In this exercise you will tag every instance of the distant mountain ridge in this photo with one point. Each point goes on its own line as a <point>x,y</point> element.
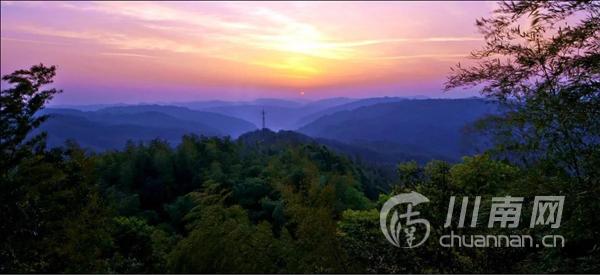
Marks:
<point>281,114</point>
<point>110,128</point>
<point>286,115</point>
<point>431,126</point>
<point>101,136</point>
<point>378,130</point>
<point>346,107</point>
<point>227,125</point>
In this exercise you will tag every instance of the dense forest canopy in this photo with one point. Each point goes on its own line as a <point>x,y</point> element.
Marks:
<point>265,204</point>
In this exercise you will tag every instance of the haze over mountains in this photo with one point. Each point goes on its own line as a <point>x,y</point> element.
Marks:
<point>387,129</point>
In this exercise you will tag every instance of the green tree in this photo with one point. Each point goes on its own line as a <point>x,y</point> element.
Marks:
<point>541,60</point>
<point>18,107</point>
<point>53,217</point>
<point>139,247</point>
<point>225,241</point>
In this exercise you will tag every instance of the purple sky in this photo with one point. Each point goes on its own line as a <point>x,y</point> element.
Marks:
<point>128,52</point>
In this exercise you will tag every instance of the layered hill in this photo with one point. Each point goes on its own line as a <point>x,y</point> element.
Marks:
<point>111,128</point>
<point>430,127</point>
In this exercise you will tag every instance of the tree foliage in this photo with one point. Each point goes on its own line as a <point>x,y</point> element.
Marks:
<point>541,59</point>
<point>18,106</point>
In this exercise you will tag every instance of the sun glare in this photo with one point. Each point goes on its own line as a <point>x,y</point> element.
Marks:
<point>301,51</point>
<point>264,44</point>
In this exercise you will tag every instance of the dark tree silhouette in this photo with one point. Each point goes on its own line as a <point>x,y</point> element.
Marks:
<point>542,60</point>
<point>18,106</point>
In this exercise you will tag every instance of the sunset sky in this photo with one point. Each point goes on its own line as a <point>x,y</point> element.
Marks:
<point>109,52</point>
